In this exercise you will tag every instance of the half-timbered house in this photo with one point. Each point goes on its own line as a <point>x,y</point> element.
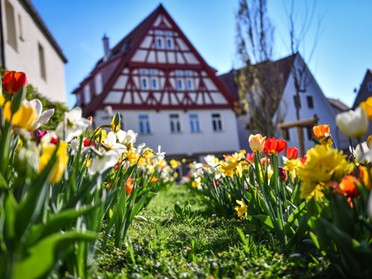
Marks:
<point>164,90</point>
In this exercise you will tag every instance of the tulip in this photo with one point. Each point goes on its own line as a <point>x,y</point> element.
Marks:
<point>14,81</point>
<point>274,146</point>
<point>256,142</point>
<point>292,153</point>
<point>367,106</point>
<point>321,131</point>
<point>353,124</point>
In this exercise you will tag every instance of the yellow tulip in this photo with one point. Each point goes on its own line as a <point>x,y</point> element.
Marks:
<point>256,142</point>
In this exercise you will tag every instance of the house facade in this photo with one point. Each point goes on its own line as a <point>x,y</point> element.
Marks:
<point>363,93</point>
<point>164,90</point>
<point>26,45</point>
<point>313,105</point>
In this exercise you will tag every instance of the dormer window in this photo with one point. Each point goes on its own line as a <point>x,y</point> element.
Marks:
<point>169,43</point>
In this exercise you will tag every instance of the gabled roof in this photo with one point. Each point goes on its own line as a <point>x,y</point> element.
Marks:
<point>365,89</point>
<point>29,7</point>
<point>121,54</point>
<point>337,105</point>
<point>283,67</point>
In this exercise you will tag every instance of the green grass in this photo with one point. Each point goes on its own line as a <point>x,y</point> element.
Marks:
<point>192,242</point>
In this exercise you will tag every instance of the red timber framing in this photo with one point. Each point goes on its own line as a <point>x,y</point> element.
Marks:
<point>156,68</point>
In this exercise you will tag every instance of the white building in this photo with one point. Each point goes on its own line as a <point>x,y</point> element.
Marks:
<point>312,104</point>
<point>164,90</point>
<point>26,45</point>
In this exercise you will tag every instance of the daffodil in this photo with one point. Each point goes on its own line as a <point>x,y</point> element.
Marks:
<point>73,125</point>
<point>322,165</point>
<point>60,164</point>
<point>42,117</point>
<point>127,138</point>
<point>242,209</point>
<point>24,117</point>
<point>103,161</point>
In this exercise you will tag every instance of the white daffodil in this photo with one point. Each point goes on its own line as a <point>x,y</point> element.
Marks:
<point>103,161</point>
<point>73,125</point>
<point>353,124</point>
<point>127,138</point>
<point>43,117</point>
<point>363,153</point>
<point>111,143</point>
<point>158,156</point>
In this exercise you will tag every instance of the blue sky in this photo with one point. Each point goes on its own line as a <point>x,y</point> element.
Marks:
<point>342,54</point>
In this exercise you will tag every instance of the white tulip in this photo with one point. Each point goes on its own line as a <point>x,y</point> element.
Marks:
<point>353,124</point>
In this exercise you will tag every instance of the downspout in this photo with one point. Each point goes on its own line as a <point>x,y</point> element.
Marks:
<point>2,50</point>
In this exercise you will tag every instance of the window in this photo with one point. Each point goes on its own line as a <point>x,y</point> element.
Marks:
<point>20,26</point>
<point>169,43</point>
<point>42,62</point>
<point>216,122</point>
<point>10,25</point>
<point>297,101</point>
<point>154,83</point>
<point>159,43</point>
<point>369,85</point>
<point>175,124</point>
<point>194,123</point>
<point>179,84</point>
<point>310,102</point>
<point>144,83</point>
<point>144,124</point>
<point>189,84</point>
<point>87,94</point>
<point>98,83</point>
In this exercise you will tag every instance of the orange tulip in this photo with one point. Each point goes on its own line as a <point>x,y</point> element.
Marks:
<point>129,185</point>
<point>347,186</point>
<point>321,131</point>
<point>14,81</point>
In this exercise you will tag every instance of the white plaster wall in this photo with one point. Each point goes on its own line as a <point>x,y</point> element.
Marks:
<point>26,57</point>
<point>321,108</point>
<point>206,142</point>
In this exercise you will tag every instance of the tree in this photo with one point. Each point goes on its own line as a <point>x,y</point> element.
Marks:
<point>259,81</point>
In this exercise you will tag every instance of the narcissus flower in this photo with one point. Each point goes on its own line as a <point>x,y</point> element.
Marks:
<point>103,162</point>
<point>60,163</point>
<point>73,126</point>
<point>242,209</point>
<point>13,81</point>
<point>367,106</point>
<point>323,164</point>
<point>353,124</point>
<point>42,117</point>
<point>274,146</point>
<point>25,117</point>
<point>256,142</point>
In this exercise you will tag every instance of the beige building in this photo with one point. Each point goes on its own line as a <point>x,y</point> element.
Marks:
<point>26,45</point>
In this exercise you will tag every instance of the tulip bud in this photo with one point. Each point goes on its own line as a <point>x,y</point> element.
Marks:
<point>14,81</point>
<point>256,142</point>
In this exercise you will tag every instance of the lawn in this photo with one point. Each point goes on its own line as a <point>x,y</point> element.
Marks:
<point>177,237</point>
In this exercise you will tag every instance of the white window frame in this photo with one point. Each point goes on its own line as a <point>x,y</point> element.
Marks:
<point>175,123</point>
<point>144,126</point>
<point>217,122</point>
<point>194,123</point>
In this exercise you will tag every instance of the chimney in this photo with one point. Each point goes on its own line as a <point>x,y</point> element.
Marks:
<point>106,47</point>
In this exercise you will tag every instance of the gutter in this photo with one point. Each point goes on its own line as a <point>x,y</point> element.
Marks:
<point>2,50</point>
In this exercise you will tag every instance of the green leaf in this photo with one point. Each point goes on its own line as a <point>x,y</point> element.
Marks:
<point>56,223</point>
<point>10,210</point>
<point>265,219</point>
<point>3,183</point>
<point>51,249</point>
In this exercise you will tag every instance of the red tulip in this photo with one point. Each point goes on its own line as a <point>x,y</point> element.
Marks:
<point>14,81</point>
<point>274,146</point>
<point>292,153</point>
